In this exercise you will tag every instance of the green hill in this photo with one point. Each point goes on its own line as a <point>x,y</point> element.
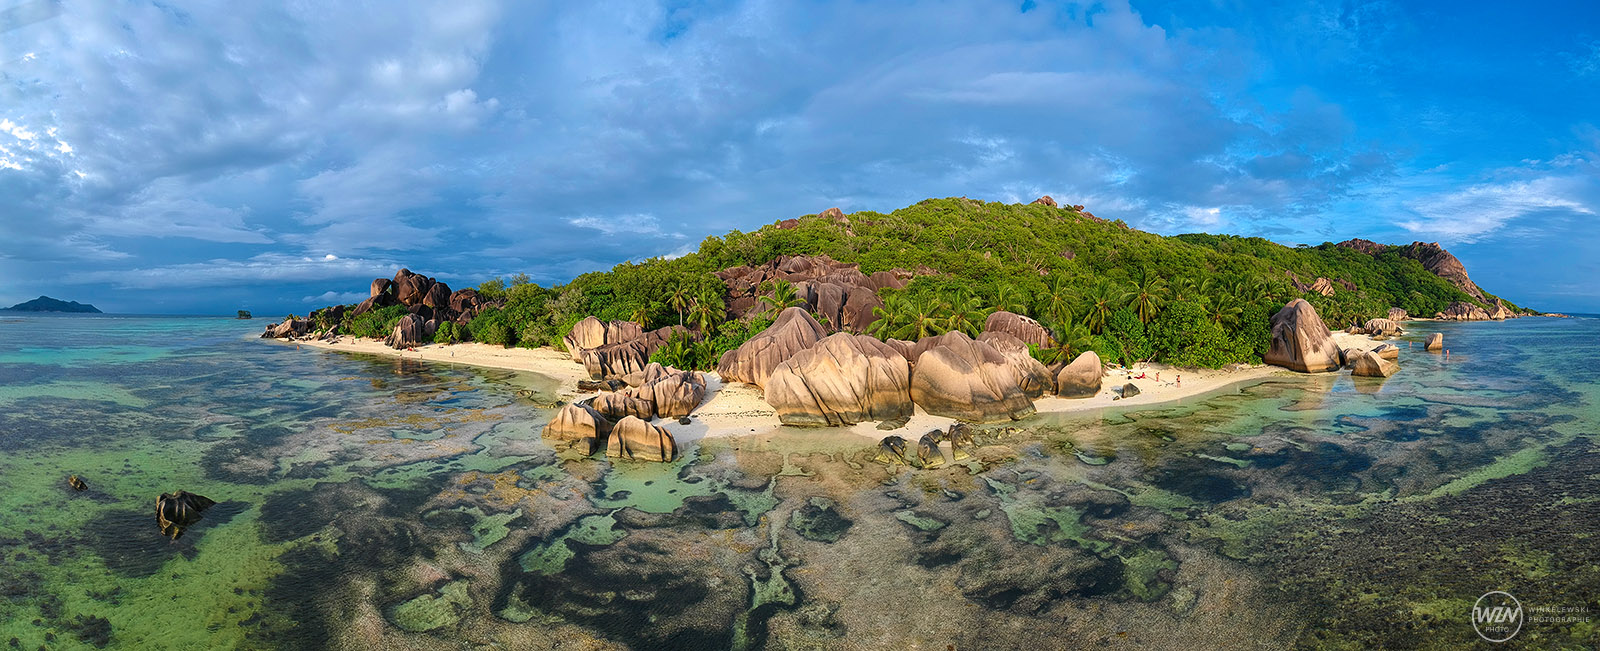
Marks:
<point>1192,300</point>
<point>47,304</point>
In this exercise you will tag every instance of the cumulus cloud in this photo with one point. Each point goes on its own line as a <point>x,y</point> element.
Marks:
<point>263,269</point>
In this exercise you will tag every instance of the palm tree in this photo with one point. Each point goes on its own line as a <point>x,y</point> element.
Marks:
<point>640,315</point>
<point>707,311</point>
<point>1007,298</point>
<point>966,314</point>
<point>1182,289</point>
<point>888,317</point>
<point>1103,300</point>
<point>922,318</point>
<point>1224,310</point>
<point>780,295</point>
<point>1147,297</point>
<point>679,300</point>
<point>1057,299</point>
<point>1071,339</point>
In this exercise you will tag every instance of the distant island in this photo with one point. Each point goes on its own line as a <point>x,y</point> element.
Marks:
<point>47,304</point>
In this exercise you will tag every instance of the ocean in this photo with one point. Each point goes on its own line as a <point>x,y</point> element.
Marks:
<point>366,502</point>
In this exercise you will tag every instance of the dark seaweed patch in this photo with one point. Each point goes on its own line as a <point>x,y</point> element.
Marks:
<point>130,543</point>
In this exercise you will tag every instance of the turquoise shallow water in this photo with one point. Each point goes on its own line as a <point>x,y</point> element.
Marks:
<point>373,503</point>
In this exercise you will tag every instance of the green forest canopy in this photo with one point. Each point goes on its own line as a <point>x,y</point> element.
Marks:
<point>1190,300</point>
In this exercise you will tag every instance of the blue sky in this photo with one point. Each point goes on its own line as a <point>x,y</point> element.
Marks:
<point>277,156</point>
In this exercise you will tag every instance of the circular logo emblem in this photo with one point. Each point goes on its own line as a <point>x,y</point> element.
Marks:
<point>1497,616</point>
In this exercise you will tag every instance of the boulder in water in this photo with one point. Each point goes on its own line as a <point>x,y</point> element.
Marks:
<point>1387,351</point>
<point>176,512</point>
<point>618,405</point>
<point>1369,364</point>
<point>581,426</point>
<point>960,438</point>
<point>891,451</point>
<point>635,440</point>
<point>77,483</point>
<point>1435,342</point>
<point>928,454</point>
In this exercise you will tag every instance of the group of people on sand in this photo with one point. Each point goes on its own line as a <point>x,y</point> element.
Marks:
<point>1144,375</point>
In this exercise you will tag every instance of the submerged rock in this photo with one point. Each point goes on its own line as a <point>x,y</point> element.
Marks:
<point>176,512</point>
<point>928,454</point>
<point>891,451</point>
<point>1300,340</point>
<point>635,440</point>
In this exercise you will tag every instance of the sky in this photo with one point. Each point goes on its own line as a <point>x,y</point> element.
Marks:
<point>276,157</point>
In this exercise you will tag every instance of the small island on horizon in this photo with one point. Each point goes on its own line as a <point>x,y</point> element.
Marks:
<point>47,304</point>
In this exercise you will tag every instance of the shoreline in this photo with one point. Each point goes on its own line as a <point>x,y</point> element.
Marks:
<point>740,410</point>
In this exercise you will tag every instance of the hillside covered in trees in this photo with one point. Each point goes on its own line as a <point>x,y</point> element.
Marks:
<point>1189,300</point>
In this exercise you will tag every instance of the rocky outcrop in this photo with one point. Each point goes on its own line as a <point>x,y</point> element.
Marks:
<point>1322,286</point>
<point>1397,315</point>
<point>1368,247</point>
<point>969,381</point>
<point>580,426</point>
<point>1387,351</point>
<point>1383,327</point>
<point>1300,340</point>
<point>1440,263</point>
<point>594,333</point>
<point>674,393</point>
<point>624,348</point>
<point>1371,364</point>
<point>1462,311</point>
<point>755,360</point>
<point>838,291</point>
<point>635,440</point>
<point>617,405</point>
<point>1045,201</point>
<point>1435,342</point>
<point>408,332</point>
<point>381,287</point>
<point>1499,312</point>
<point>842,380</point>
<point>1082,377</point>
<point>1019,326</point>
<point>289,328</point>
<point>1035,379</point>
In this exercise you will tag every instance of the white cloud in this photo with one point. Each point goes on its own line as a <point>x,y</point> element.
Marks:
<point>1470,214</point>
<point>264,269</point>
<point>331,297</point>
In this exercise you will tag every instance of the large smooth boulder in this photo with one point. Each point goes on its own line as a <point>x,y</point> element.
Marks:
<point>410,288</point>
<point>1397,315</point>
<point>1435,341</point>
<point>466,301</point>
<point>1322,286</point>
<point>635,440</point>
<point>970,381</point>
<point>1036,380</point>
<point>410,331</point>
<point>1082,377</point>
<point>621,404</point>
<point>1385,327</point>
<point>1498,311</point>
<point>755,360</point>
<point>1300,340</point>
<point>1023,328</point>
<point>675,393</point>
<point>593,333</point>
<point>580,426</point>
<point>842,380</point>
<point>1387,351</point>
<point>1370,364</point>
<point>373,303</point>
<point>380,286</point>
<point>846,306</point>
<point>437,296</point>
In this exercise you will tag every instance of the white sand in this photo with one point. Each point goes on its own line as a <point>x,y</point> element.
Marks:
<point>734,410</point>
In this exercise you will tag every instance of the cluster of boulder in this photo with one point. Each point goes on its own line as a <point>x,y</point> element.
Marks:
<point>1301,342</point>
<point>839,292</point>
<point>613,350</point>
<point>1378,328</point>
<point>428,303</point>
<point>620,421</point>
<point>813,378</point>
<point>1463,311</point>
<point>892,450</point>
<point>1321,285</point>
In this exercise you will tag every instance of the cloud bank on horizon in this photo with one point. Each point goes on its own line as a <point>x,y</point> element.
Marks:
<point>275,156</point>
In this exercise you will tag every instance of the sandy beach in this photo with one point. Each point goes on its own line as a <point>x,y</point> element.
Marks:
<point>735,410</point>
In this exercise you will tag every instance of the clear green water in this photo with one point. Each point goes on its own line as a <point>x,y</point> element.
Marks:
<point>373,503</point>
